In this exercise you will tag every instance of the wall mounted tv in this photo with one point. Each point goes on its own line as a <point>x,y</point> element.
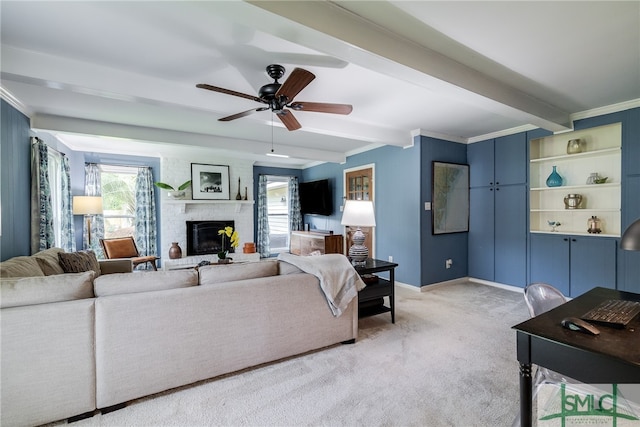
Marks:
<point>316,197</point>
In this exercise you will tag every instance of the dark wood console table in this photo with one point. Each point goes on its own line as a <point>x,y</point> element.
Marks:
<point>371,298</point>
<point>611,357</point>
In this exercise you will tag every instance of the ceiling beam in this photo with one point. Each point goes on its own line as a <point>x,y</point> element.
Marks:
<point>405,58</point>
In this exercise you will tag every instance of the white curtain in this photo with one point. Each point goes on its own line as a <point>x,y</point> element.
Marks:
<point>93,187</point>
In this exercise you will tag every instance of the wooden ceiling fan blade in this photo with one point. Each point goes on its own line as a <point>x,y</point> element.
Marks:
<point>322,107</point>
<point>230,92</point>
<point>239,115</point>
<point>287,118</point>
<point>297,80</point>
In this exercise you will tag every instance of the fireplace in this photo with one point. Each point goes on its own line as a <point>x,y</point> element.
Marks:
<point>203,238</point>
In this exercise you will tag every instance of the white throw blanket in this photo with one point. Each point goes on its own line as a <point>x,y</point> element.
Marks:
<point>339,281</point>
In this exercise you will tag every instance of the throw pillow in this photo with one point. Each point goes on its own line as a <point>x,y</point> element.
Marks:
<point>20,266</point>
<point>48,261</point>
<point>77,262</point>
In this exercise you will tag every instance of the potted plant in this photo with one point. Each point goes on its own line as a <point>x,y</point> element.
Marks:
<point>173,193</point>
<point>234,239</point>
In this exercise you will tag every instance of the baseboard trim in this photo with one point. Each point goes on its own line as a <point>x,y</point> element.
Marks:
<point>497,285</point>
<point>428,287</point>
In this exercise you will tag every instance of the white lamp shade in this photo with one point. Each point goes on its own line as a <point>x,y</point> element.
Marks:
<point>358,213</point>
<point>87,205</point>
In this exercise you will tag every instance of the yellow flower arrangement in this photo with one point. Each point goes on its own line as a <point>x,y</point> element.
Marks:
<point>234,240</point>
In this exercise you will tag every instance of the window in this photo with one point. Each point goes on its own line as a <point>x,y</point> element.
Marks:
<point>118,199</point>
<point>278,213</point>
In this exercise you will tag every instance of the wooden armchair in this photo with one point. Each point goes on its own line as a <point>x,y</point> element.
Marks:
<point>125,247</point>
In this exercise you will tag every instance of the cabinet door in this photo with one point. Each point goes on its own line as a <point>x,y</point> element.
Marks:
<point>511,235</point>
<point>511,159</point>
<point>480,159</point>
<point>550,260</point>
<point>593,263</point>
<point>481,233</point>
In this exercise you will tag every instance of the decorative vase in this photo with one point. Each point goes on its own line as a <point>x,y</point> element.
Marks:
<point>238,196</point>
<point>554,180</point>
<point>575,146</point>
<point>175,251</point>
<point>573,201</point>
<point>224,261</point>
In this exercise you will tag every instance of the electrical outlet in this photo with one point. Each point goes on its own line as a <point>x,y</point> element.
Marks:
<point>390,258</point>
<point>448,263</point>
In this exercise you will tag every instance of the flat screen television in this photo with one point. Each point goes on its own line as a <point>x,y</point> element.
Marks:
<point>316,198</point>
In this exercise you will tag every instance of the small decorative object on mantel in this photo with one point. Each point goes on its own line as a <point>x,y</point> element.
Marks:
<point>245,193</point>
<point>175,251</point>
<point>227,233</point>
<point>594,226</point>
<point>178,194</point>
<point>249,248</point>
<point>238,196</point>
<point>575,146</point>
<point>554,180</point>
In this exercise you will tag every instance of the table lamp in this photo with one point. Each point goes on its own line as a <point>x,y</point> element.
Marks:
<point>87,206</point>
<point>358,213</point>
<point>631,238</point>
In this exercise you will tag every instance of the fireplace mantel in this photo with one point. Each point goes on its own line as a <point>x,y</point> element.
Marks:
<point>182,204</point>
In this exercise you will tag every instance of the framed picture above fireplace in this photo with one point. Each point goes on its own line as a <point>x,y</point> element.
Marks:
<point>210,182</point>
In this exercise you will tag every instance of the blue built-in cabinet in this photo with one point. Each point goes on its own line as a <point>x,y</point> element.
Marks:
<point>497,248</point>
<point>573,264</point>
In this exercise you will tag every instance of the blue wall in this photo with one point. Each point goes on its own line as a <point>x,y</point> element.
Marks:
<point>397,204</point>
<point>15,182</point>
<point>438,248</point>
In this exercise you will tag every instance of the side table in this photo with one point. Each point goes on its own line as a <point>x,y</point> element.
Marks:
<point>371,298</point>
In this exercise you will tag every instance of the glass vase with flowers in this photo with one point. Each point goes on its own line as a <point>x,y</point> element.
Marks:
<point>230,239</point>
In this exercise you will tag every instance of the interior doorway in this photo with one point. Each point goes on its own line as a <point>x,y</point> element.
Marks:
<point>359,185</point>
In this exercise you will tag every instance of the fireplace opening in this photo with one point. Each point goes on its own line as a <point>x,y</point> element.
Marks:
<point>203,238</point>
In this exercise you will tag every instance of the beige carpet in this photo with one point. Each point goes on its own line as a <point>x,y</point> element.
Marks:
<point>448,361</point>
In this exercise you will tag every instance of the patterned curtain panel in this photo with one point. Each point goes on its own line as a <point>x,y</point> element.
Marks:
<point>67,235</point>
<point>262,245</point>
<point>145,218</point>
<point>42,235</point>
<point>93,187</point>
<point>295,217</point>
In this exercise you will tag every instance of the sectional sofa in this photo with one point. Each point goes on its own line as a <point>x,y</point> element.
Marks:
<point>74,343</point>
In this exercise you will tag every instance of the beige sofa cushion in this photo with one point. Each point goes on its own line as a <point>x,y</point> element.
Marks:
<point>20,266</point>
<point>48,261</point>
<point>221,273</point>
<point>23,291</point>
<point>144,281</point>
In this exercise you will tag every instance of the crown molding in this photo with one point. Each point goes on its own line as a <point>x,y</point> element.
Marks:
<point>607,109</point>
<point>15,102</point>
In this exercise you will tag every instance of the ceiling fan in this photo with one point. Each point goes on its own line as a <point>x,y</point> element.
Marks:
<point>279,97</point>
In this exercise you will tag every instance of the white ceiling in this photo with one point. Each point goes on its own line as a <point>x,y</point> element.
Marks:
<point>457,70</point>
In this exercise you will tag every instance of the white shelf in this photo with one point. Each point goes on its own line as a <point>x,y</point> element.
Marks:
<point>182,204</point>
<point>577,156</point>
<point>560,232</point>
<point>576,210</point>
<point>577,187</point>
<point>603,155</point>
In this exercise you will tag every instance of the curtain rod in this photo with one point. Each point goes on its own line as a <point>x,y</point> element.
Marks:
<point>117,165</point>
<point>48,146</point>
